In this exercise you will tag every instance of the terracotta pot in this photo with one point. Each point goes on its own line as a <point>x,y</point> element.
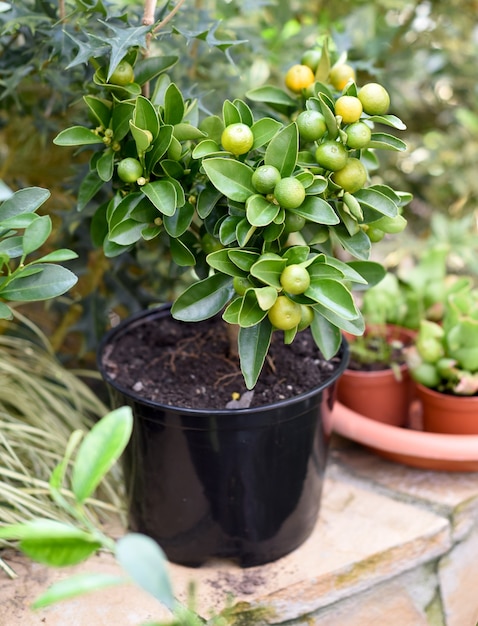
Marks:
<point>379,395</point>
<point>445,413</point>
<point>435,451</point>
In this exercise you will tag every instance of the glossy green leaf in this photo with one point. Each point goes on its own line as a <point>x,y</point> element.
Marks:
<point>268,271</point>
<point>244,232</point>
<point>355,326</point>
<point>375,199</point>
<point>266,297</point>
<point>89,187</point>
<point>162,194</point>
<point>58,256</point>
<point>327,110</point>
<point>357,245</point>
<point>76,586</point>
<point>76,136</point>
<point>243,259</point>
<point>203,299</point>
<point>228,229</point>
<point>254,343</point>
<point>178,223</point>
<point>264,130</point>
<point>296,254</point>
<point>282,150</point>
<point>230,177</point>
<point>206,148</point>
<point>317,210</point>
<point>259,211</point>
<point>318,186</point>
<point>11,247</point>
<point>388,120</point>
<point>100,108</point>
<point>49,281</point>
<point>122,114</point>
<point>141,138</point>
<point>187,132</point>
<point>371,271</point>
<point>207,199</point>
<point>26,200</point>
<point>126,232</point>
<point>173,105</point>
<point>145,116</point>
<point>231,312</point>
<point>326,335</point>
<point>160,146</point>
<point>5,311</point>
<point>146,69</point>
<point>230,113</point>
<point>333,295</point>
<point>251,312</point>
<point>319,271</point>
<point>145,562</point>
<point>18,221</point>
<point>100,449</point>
<point>181,254</point>
<point>244,111</point>
<point>50,542</point>
<point>276,98</point>
<point>384,141</point>
<point>221,262</point>
<point>105,165</point>
<point>36,233</point>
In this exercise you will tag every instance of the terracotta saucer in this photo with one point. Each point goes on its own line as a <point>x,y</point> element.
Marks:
<point>409,445</point>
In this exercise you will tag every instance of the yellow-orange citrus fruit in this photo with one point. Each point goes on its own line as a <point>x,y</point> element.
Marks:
<point>299,77</point>
<point>340,75</point>
<point>349,108</point>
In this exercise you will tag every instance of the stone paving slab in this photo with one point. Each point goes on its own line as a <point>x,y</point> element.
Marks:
<point>451,494</point>
<point>363,538</point>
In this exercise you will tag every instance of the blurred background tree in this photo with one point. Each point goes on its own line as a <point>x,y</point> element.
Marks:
<point>423,52</point>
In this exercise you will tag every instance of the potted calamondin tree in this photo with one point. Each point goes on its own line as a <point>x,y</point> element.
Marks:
<point>276,215</point>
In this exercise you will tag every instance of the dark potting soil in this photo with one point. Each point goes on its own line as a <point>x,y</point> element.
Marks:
<point>189,365</point>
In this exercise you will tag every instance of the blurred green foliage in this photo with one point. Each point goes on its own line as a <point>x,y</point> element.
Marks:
<point>424,52</point>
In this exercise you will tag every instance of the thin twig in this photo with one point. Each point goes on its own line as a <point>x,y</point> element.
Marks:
<point>169,17</point>
<point>8,570</point>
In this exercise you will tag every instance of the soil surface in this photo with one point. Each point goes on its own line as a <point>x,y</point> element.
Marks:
<point>189,365</point>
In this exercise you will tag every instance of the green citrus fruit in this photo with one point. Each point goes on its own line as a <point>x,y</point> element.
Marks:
<point>284,314</point>
<point>237,138</point>
<point>265,178</point>
<point>299,77</point>
<point>307,315</point>
<point>340,75</point>
<point>289,192</point>
<point>391,224</point>
<point>352,177</point>
<point>331,155</point>
<point>375,234</point>
<point>358,135</point>
<point>311,125</point>
<point>293,222</point>
<point>241,284</point>
<point>123,74</point>
<point>129,170</point>
<point>295,279</point>
<point>311,58</point>
<point>374,98</point>
<point>349,108</point>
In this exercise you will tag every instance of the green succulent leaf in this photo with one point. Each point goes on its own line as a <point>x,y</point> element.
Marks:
<point>76,586</point>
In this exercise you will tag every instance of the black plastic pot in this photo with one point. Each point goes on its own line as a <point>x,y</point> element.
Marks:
<point>244,484</point>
